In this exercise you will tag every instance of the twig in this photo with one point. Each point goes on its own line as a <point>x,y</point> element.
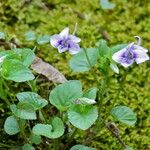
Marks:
<point>111,126</point>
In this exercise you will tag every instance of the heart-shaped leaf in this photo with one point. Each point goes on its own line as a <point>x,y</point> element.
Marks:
<point>30,36</point>
<point>81,147</point>
<point>32,98</point>
<point>9,54</point>
<point>91,93</point>
<point>14,70</point>
<point>81,63</point>
<point>82,116</point>
<point>43,39</point>
<point>103,49</point>
<point>28,147</point>
<point>105,4</point>
<point>23,110</point>
<point>42,129</point>
<point>26,55</point>
<point>11,125</point>
<point>124,114</point>
<point>117,48</point>
<point>63,95</point>
<point>54,130</point>
<point>35,139</point>
<point>128,148</point>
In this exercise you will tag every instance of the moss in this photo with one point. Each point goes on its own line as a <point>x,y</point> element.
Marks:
<point>119,25</point>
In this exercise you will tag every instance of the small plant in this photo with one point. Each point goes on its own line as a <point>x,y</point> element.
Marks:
<point>73,108</point>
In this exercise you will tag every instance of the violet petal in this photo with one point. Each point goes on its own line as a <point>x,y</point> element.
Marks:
<point>140,48</point>
<point>118,55</point>
<point>62,48</point>
<point>74,38</point>
<point>54,40</point>
<point>127,62</point>
<point>64,33</point>
<point>74,48</point>
<point>140,56</point>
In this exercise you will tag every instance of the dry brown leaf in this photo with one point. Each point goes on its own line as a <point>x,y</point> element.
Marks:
<point>41,67</point>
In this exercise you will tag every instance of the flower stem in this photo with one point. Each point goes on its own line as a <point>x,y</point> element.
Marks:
<point>32,85</point>
<point>93,72</point>
<point>121,84</point>
<point>5,145</point>
<point>5,91</point>
<point>75,28</point>
<point>56,144</point>
<point>100,91</point>
<point>41,116</point>
<point>71,138</point>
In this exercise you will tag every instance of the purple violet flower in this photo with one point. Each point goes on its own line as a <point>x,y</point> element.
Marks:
<point>131,53</point>
<point>65,41</point>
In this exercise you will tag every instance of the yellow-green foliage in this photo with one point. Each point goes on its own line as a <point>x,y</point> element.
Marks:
<point>127,19</point>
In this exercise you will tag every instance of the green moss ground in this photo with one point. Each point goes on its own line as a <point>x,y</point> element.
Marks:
<point>127,19</point>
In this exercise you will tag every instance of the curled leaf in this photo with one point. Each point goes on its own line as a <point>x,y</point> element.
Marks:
<point>85,101</point>
<point>114,68</point>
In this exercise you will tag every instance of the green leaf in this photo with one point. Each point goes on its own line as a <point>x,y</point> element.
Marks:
<point>1,60</point>
<point>79,62</point>
<point>2,35</point>
<point>128,148</point>
<point>124,114</point>
<point>34,99</point>
<point>104,65</point>
<point>9,54</point>
<point>23,110</point>
<point>30,36</point>
<point>43,39</point>
<point>117,48</point>
<point>21,122</point>
<point>42,129</point>
<point>63,95</point>
<point>91,93</point>
<point>82,116</point>
<point>81,147</point>
<point>55,130</point>
<point>14,70</point>
<point>11,125</point>
<point>28,147</point>
<point>35,139</point>
<point>104,50</point>
<point>26,55</point>
<point>105,4</point>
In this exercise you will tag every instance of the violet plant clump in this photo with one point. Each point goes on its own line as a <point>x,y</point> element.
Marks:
<point>73,108</point>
